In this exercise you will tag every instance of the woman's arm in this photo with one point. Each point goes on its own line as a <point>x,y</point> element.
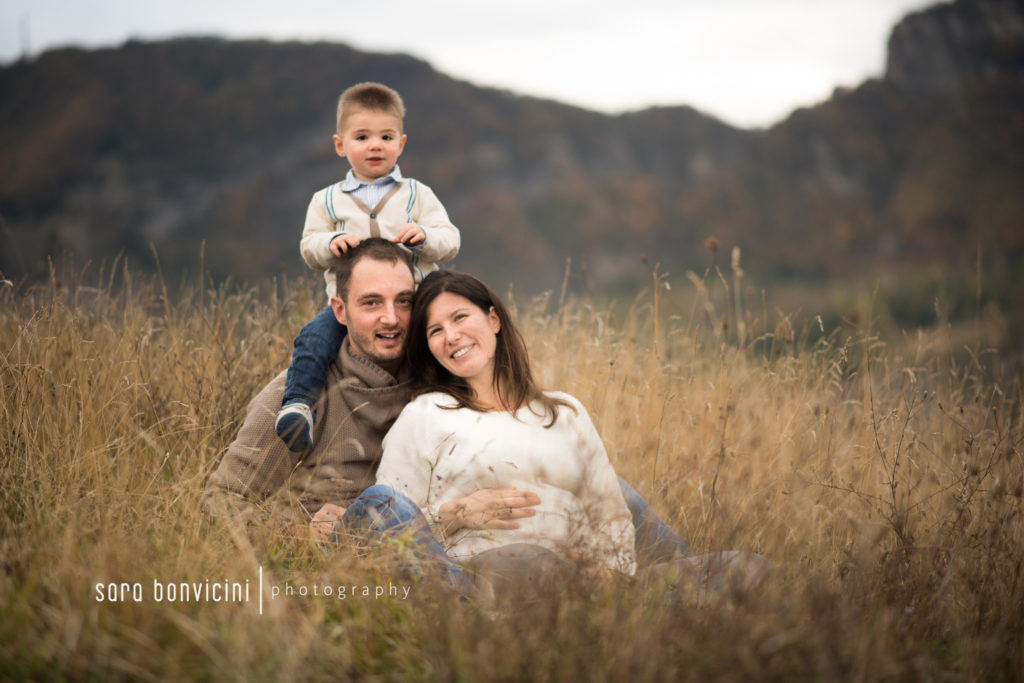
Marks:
<point>604,505</point>
<point>407,463</point>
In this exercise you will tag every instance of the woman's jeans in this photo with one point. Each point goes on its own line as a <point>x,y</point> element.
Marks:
<point>655,541</point>
<point>381,511</point>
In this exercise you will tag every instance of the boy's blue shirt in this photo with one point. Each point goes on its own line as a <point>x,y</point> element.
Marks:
<point>370,192</point>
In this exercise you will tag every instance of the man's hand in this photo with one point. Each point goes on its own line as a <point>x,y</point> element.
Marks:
<point>487,509</point>
<point>342,243</point>
<point>323,521</point>
<point>409,234</point>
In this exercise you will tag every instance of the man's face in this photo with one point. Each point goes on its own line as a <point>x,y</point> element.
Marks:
<point>377,309</point>
<point>372,141</point>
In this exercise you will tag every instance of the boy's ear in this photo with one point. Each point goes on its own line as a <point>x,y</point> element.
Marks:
<point>338,306</point>
<point>401,144</point>
<point>339,145</point>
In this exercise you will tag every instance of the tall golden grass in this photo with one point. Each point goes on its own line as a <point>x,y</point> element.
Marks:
<point>882,478</point>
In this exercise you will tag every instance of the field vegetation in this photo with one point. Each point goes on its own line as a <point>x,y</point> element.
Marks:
<point>882,476</point>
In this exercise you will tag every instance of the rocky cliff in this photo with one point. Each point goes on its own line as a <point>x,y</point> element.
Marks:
<point>952,47</point>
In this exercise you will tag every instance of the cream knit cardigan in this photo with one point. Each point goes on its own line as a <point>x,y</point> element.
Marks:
<point>332,212</point>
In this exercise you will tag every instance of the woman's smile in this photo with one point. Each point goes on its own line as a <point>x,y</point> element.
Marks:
<point>463,351</point>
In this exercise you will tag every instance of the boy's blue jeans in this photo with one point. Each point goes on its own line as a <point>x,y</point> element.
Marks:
<point>314,349</point>
<point>381,510</point>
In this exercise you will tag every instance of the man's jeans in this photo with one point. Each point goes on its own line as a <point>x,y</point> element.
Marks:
<point>315,347</point>
<point>381,510</point>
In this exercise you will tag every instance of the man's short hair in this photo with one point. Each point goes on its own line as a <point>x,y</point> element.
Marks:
<point>372,96</point>
<point>376,248</point>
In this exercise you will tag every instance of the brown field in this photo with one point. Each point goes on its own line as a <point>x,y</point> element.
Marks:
<point>882,477</point>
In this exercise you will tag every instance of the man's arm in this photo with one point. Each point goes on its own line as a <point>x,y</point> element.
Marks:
<point>256,464</point>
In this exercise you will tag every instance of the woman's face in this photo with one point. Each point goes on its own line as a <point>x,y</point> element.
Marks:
<point>463,338</point>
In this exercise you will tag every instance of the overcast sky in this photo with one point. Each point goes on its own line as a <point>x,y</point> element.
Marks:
<point>749,62</point>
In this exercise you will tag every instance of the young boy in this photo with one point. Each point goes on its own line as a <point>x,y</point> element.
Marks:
<point>374,200</point>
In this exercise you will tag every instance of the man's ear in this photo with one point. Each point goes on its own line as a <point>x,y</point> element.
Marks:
<point>338,306</point>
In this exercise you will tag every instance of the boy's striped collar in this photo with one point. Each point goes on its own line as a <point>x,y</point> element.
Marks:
<point>351,183</point>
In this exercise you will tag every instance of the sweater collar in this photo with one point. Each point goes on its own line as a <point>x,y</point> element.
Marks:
<point>366,372</point>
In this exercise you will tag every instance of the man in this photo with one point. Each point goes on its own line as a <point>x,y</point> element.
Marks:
<point>367,388</point>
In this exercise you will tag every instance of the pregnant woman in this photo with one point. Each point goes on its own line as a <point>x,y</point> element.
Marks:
<point>479,421</point>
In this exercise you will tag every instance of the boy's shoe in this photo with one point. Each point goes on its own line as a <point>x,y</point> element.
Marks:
<point>295,426</point>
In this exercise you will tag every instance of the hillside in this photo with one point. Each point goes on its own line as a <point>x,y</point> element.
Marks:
<point>202,140</point>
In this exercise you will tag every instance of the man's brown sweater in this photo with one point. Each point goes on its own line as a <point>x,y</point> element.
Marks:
<point>358,406</point>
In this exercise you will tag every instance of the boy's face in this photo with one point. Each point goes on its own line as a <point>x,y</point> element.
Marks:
<point>372,141</point>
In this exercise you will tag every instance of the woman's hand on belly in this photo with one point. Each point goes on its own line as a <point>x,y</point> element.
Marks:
<point>487,509</point>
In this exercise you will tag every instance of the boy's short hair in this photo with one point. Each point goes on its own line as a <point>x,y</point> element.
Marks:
<point>372,96</point>
<point>376,248</point>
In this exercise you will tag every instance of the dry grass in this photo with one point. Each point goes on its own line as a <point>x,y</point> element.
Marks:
<point>884,481</point>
